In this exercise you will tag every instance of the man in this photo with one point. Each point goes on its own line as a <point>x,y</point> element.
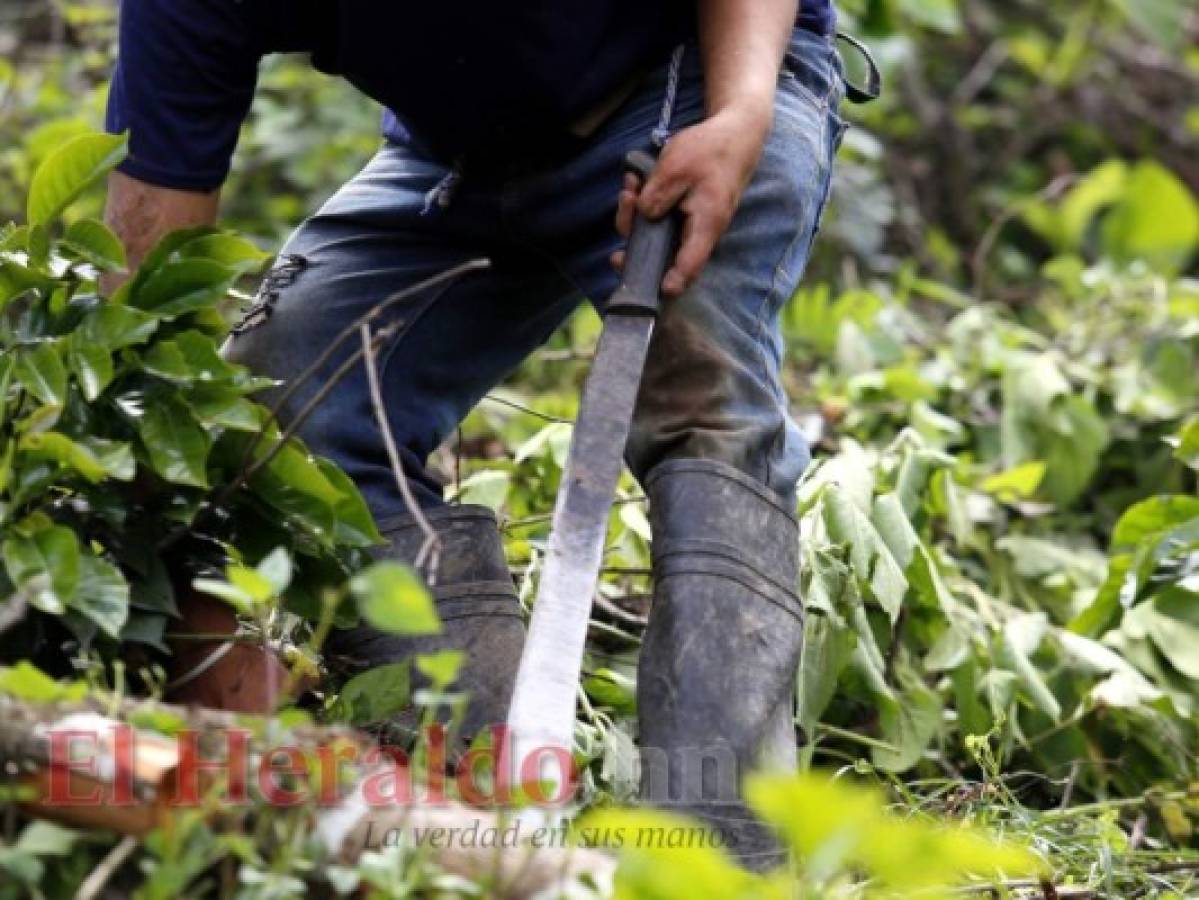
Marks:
<point>507,130</point>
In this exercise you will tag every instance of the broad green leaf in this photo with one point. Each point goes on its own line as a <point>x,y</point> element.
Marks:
<point>58,448</point>
<point>486,488</point>
<point>653,867</point>
<point>8,364</point>
<point>276,569</point>
<point>115,456</point>
<point>1157,220</point>
<point>1019,483</point>
<point>1015,655</point>
<point>95,243</point>
<point>441,667</point>
<point>835,826</point>
<point>46,563</point>
<point>70,170</point>
<point>48,839</point>
<point>392,598</point>
<point>908,724</point>
<point>235,596</point>
<point>376,695</point>
<point>174,442</point>
<point>613,689</point>
<point>26,681</point>
<point>873,562</point>
<point>827,650</point>
<point>41,372</point>
<point>114,327</point>
<point>179,288</point>
<point>1186,448</point>
<point>355,525</point>
<point>103,595</point>
<point>1152,517</point>
<point>230,250</point>
<point>293,483</point>
<point>222,406</point>
<point>252,583</point>
<point>91,364</point>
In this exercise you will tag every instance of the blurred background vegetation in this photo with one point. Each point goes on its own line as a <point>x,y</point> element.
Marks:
<point>996,357</point>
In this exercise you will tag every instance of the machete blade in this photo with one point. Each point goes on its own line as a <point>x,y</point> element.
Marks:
<point>547,683</point>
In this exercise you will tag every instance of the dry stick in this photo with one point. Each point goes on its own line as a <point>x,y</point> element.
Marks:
<point>527,410</point>
<point>431,545</point>
<point>978,263</point>
<point>95,882</point>
<point>247,470</point>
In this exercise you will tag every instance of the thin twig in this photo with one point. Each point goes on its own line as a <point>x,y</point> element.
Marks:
<point>248,469</point>
<point>431,547</point>
<point>527,410</point>
<point>99,877</point>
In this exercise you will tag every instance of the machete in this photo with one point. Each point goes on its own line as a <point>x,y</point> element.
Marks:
<point>542,713</point>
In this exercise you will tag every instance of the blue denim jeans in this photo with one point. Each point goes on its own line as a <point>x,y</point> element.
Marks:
<point>712,387</point>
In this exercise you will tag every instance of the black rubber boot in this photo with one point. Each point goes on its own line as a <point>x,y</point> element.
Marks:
<point>479,612</point>
<point>715,691</point>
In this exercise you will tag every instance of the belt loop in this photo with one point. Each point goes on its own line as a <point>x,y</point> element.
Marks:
<point>874,79</point>
<point>660,135</point>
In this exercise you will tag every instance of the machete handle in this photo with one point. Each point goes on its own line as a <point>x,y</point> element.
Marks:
<point>650,249</point>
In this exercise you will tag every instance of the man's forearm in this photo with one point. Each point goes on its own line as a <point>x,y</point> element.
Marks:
<point>743,42</point>
<point>140,214</point>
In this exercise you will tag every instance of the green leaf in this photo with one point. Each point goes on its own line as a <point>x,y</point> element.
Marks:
<point>46,563</point>
<point>276,569</point>
<point>355,525</point>
<point>221,406</point>
<point>95,243</point>
<point>441,667</point>
<point>91,365</point>
<point>872,560</point>
<point>376,695</point>
<point>103,595</point>
<point>58,448</point>
<point>612,689</point>
<point>1019,483</point>
<point>179,288</point>
<point>827,650</point>
<point>114,327</point>
<point>70,170</point>
<point>1015,652</point>
<point>295,485</point>
<point>41,372</point>
<point>1152,517</point>
<point>232,251</point>
<point>47,839</point>
<point>26,681</point>
<point>1157,220</point>
<point>1186,448</point>
<point>908,724</point>
<point>174,442</point>
<point>392,598</point>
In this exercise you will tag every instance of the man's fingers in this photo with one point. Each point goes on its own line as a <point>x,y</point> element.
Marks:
<point>617,260</point>
<point>662,193</point>
<point>700,233</point>
<point>626,204</point>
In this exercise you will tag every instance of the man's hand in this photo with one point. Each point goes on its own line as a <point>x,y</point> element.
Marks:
<point>702,171</point>
<point>141,213</point>
<point>705,168</point>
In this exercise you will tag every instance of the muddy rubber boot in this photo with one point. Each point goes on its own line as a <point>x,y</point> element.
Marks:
<point>715,688</point>
<point>479,612</point>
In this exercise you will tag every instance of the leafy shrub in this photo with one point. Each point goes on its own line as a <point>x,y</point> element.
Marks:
<point>131,454</point>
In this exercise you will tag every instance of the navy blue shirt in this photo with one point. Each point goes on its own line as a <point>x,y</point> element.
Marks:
<point>459,75</point>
